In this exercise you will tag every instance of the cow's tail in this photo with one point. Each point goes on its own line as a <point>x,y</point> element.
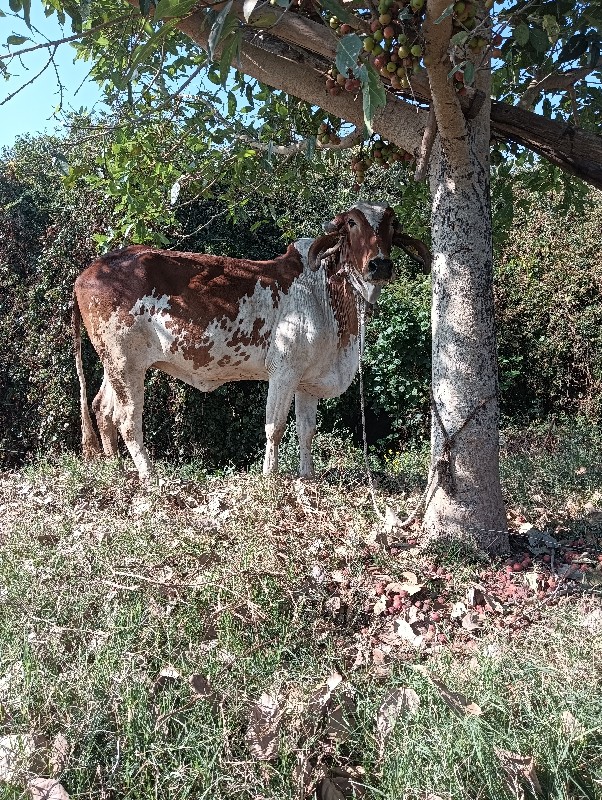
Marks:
<point>90,444</point>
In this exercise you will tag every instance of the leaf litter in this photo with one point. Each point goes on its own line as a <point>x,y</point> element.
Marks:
<point>519,770</point>
<point>398,703</point>
<point>264,728</point>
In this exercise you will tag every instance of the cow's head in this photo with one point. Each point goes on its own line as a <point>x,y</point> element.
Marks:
<point>360,240</point>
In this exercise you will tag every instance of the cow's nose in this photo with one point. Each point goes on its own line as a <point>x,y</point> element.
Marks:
<point>380,269</point>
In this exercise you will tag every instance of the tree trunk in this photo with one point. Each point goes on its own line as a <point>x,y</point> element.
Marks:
<point>467,500</point>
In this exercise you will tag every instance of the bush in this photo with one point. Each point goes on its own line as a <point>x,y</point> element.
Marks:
<point>549,311</point>
<point>548,304</point>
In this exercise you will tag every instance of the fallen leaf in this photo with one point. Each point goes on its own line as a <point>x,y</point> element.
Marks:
<point>333,681</point>
<point>404,630</point>
<point>519,769</point>
<point>201,688</point>
<point>571,726</point>
<point>396,586</point>
<point>328,790</point>
<point>477,596</point>
<point>46,789</point>
<point>342,783</point>
<point>473,622</point>
<point>399,702</point>
<point>264,726</point>
<point>380,606</point>
<point>22,754</point>
<point>456,701</point>
<point>167,675</point>
<point>458,610</point>
<point>60,750</point>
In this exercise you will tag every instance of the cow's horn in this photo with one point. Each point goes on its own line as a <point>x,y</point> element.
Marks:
<point>324,246</point>
<point>415,249</point>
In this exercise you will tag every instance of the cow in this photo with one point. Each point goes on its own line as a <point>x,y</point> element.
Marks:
<point>294,321</point>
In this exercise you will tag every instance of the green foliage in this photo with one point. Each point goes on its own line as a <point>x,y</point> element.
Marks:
<point>549,310</point>
<point>548,294</point>
<point>398,358</point>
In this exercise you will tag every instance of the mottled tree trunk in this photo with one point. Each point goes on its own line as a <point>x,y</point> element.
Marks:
<point>467,502</point>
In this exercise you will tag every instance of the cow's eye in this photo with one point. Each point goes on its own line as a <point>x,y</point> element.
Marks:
<point>351,223</point>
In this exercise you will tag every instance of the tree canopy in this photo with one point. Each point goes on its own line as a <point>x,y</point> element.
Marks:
<point>361,63</point>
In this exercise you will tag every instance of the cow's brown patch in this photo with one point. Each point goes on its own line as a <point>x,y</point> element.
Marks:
<point>201,289</point>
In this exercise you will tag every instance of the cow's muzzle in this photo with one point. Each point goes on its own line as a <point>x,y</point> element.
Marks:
<point>379,270</point>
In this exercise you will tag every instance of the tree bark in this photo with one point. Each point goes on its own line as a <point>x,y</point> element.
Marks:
<point>467,500</point>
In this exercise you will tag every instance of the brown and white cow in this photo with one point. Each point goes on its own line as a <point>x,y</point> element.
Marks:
<point>292,321</point>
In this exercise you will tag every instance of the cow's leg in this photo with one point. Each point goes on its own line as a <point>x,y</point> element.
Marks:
<point>306,407</point>
<point>104,406</point>
<point>128,396</point>
<point>280,396</point>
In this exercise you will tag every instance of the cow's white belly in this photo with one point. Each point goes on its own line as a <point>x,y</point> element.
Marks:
<point>330,377</point>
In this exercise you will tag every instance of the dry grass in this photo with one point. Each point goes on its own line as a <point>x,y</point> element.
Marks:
<point>267,586</point>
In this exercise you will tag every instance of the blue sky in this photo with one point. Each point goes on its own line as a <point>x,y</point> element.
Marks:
<point>32,110</point>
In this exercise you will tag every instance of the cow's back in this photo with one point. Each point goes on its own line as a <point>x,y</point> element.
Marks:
<point>185,312</point>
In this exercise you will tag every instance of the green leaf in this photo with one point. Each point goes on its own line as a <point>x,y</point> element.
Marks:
<point>144,7</point>
<point>460,37</point>
<point>15,5</point>
<point>231,104</point>
<point>469,73</point>
<point>2,14</point>
<point>337,10</point>
<point>347,52</point>
<point>173,8</point>
<point>13,39</point>
<point>539,40</point>
<point>265,18</point>
<point>520,34</point>
<point>215,34</point>
<point>143,50</point>
<point>27,12</point>
<point>447,13</point>
<point>373,93</point>
<point>574,47</point>
<point>551,27</point>
<point>457,67</point>
<point>230,51</point>
<point>311,147</point>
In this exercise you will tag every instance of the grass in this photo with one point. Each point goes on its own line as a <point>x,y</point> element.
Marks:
<point>267,585</point>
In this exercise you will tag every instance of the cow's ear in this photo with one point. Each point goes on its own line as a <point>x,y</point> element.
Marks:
<point>414,248</point>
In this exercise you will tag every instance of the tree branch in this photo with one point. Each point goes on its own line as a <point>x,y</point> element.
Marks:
<point>399,121</point>
<point>554,82</point>
<point>426,147</point>
<point>446,104</point>
<point>31,80</point>
<point>65,39</point>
